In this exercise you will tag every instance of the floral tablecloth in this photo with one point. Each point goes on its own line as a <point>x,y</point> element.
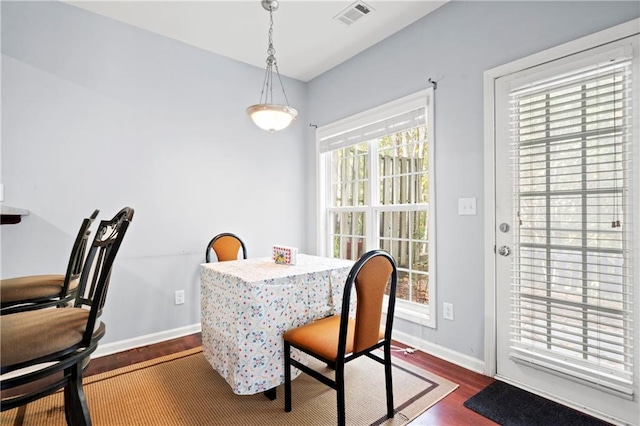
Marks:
<point>247,305</point>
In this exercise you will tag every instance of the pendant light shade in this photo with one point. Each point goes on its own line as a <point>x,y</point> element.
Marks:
<point>272,117</point>
<point>266,114</point>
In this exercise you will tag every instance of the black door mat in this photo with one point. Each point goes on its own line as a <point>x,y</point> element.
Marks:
<point>511,406</point>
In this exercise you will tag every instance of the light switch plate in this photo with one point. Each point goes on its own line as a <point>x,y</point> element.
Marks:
<point>467,206</point>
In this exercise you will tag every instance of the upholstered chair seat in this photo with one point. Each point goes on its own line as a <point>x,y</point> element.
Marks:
<point>27,336</point>
<point>321,337</point>
<point>32,287</point>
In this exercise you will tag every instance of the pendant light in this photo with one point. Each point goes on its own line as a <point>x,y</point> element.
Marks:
<point>267,115</point>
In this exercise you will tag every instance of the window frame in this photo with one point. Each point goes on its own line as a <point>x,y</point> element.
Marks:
<point>406,310</point>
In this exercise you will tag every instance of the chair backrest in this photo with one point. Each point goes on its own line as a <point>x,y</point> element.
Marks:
<point>373,275</point>
<point>96,273</point>
<point>78,252</point>
<point>226,246</point>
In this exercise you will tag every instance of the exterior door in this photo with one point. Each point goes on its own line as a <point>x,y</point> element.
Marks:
<point>566,167</point>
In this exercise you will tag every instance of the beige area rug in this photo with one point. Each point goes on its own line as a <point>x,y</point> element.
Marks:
<point>183,389</point>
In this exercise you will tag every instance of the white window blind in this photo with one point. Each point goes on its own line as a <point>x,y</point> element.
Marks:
<point>571,289</point>
<point>372,131</point>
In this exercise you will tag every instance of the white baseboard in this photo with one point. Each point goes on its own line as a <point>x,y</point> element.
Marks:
<point>453,357</point>
<point>149,339</point>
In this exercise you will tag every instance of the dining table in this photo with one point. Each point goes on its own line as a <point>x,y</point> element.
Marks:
<point>248,304</point>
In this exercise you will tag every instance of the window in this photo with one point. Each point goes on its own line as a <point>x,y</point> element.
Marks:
<point>376,189</point>
<point>572,291</point>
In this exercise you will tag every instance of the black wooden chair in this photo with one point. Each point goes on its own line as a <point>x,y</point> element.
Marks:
<point>30,292</point>
<point>339,339</point>
<point>226,246</point>
<point>59,341</point>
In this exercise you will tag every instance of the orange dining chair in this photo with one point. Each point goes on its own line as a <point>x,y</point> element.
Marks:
<point>226,246</point>
<point>48,349</point>
<point>339,339</point>
<point>30,292</point>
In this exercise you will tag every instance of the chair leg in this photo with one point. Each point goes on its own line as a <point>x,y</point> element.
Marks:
<point>388,380</point>
<point>271,394</point>
<point>340,393</point>
<point>287,377</point>
<point>76,410</point>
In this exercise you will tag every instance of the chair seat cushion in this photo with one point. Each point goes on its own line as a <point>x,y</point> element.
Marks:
<point>321,337</point>
<point>33,334</point>
<point>30,287</point>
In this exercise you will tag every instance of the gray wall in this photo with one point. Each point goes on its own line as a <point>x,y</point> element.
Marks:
<point>98,114</point>
<point>454,46</point>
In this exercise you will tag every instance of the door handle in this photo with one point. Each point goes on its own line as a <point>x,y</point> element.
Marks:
<point>504,251</point>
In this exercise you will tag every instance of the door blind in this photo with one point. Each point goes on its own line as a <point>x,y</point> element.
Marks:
<point>571,289</point>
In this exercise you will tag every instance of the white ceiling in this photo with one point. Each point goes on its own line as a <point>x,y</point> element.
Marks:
<point>307,38</point>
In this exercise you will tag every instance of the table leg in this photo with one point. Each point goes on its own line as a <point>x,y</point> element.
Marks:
<point>271,394</point>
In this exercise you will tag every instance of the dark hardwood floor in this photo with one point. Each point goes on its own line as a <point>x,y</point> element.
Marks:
<point>448,411</point>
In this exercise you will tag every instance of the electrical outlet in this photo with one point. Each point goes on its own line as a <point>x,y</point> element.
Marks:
<point>447,311</point>
<point>179,297</point>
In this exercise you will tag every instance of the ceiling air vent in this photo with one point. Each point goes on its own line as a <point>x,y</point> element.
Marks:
<point>354,12</point>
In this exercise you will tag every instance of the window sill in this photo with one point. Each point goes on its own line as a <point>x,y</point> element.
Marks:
<point>413,314</point>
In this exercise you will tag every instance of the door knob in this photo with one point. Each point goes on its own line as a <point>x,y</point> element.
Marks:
<point>504,251</point>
